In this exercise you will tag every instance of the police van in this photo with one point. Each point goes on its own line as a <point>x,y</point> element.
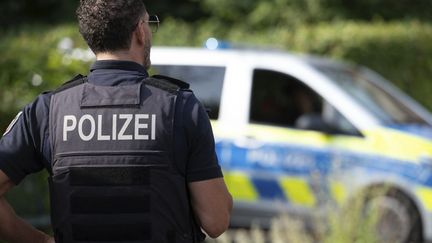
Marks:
<point>304,134</point>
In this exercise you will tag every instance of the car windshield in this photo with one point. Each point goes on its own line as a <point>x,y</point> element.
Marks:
<point>365,88</point>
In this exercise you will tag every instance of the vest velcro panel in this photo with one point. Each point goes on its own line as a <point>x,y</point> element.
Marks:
<point>112,232</point>
<point>110,176</point>
<point>110,204</point>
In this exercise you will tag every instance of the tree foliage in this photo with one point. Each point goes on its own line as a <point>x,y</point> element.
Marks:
<point>33,62</point>
<point>265,14</point>
<point>17,12</point>
<point>270,13</point>
<point>381,9</point>
<point>256,13</point>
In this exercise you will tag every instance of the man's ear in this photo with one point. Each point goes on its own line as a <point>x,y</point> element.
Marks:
<point>140,34</point>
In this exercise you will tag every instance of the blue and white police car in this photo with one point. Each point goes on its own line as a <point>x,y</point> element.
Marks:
<point>300,133</point>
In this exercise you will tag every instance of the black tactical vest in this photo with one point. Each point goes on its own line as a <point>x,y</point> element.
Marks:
<point>113,175</point>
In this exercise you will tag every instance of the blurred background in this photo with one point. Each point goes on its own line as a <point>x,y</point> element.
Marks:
<point>391,37</point>
<point>40,46</point>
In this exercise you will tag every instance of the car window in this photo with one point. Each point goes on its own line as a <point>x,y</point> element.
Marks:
<point>362,86</point>
<point>281,100</point>
<point>205,81</point>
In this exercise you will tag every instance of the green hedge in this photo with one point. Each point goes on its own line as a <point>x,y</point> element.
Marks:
<point>30,63</point>
<point>400,51</point>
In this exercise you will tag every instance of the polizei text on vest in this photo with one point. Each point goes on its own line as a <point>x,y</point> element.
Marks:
<point>93,128</point>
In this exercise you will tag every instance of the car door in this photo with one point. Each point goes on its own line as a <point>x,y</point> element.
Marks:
<point>285,156</point>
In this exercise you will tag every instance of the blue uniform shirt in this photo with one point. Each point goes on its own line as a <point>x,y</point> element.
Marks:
<point>25,148</point>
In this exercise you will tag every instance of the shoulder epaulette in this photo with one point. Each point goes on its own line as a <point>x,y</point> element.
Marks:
<point>169,84</point>
<point>77,80</point>
<point>180,84</point>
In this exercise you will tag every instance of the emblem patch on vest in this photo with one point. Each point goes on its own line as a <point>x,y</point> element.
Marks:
<point>12,124</point>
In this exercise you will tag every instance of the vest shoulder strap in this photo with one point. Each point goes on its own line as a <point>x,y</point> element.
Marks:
<point>167,83</point>
<point>163,82</point>
<point>77,80</point>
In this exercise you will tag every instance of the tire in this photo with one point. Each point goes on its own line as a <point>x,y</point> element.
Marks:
<point>398,220</point>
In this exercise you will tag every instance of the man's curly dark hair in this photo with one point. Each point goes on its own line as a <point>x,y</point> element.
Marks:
<point>107,25</point>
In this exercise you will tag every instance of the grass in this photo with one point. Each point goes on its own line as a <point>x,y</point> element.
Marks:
<point>350,224</point>
<point>287,230</point>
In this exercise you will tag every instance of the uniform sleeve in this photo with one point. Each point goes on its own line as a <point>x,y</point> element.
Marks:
<point>202,163</point>
<point>20,145</point>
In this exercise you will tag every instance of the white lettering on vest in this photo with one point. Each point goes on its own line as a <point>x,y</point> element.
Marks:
<point>153,130</point>
<point>140,127</point>
<point>101,137</point>
<point>114,127</point>
<point>68,128</point>
<point>121,135</point>
<point>92,128</point>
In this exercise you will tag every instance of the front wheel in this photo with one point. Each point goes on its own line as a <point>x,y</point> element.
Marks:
<point>397,218</point>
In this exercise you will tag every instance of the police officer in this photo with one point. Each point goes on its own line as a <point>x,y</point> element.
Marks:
<point>131,157</point>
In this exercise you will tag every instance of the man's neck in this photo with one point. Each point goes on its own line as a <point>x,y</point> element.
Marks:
<point>118,55</point>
